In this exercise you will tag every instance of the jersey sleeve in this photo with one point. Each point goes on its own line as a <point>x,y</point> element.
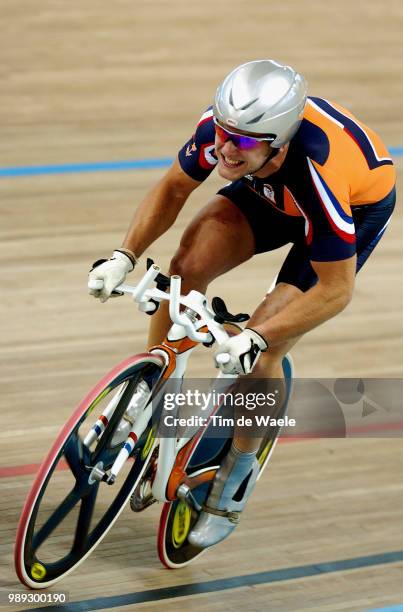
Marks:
<point>329,224</point>
<point>197,156</point>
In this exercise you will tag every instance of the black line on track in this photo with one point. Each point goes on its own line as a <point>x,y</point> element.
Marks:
<point>210,586</point>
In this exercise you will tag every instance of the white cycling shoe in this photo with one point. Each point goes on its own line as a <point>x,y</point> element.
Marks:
<point>137,403</point>
<point>232,485</point>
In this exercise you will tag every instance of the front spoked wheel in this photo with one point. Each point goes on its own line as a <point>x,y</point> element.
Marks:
<point>71,507</point>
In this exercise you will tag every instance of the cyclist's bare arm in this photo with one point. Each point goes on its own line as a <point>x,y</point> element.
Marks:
<point>159,209</point>
<point>328,297</point>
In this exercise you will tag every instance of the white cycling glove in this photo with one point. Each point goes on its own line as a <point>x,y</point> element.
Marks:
<point>242,350</point>
<point>111,272</point>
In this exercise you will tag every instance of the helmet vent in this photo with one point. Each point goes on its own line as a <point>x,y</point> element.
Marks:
<point>248,104</point>
<point>244,106</point>
<point>256,119</point>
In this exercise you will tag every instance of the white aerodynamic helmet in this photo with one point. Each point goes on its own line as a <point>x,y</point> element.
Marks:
<point>262,99</point>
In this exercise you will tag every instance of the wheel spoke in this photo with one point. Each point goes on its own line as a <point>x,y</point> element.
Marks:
<point>57,516</point>
<point>84,518</point>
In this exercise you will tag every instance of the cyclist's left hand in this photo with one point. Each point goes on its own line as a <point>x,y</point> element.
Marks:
<point>243,350</point>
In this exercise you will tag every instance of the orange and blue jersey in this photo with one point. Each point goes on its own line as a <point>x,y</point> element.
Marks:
<point>334,165</point>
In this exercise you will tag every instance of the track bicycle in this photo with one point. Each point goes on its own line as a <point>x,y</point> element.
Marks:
<point>109,451</point>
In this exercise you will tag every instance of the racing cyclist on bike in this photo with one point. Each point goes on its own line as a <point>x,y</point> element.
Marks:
<point>302,170</point>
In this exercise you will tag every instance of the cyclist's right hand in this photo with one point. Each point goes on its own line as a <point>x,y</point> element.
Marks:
<point>111,272</point>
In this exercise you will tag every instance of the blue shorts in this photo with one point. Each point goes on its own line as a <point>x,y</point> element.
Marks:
<point>370,222</point>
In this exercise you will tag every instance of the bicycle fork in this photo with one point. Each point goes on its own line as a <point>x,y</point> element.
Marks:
<point>137,428</point>
<point>176,356</point>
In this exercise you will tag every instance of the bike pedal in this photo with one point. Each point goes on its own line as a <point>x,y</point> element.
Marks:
<point>142,496</point>
<point>138,504</point>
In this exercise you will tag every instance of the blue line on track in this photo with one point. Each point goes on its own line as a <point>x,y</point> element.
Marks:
<point>211,586</point>
<point>398,608</point>
<point>107,166</point>
<point>133,164</point>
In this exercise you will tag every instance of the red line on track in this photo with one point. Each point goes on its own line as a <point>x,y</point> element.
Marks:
<point>23,470</point>
<point>32,468</point>
<point>27,469</point>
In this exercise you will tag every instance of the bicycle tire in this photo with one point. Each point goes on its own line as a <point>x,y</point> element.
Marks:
<point>268,445</point>
<point>33,571</point>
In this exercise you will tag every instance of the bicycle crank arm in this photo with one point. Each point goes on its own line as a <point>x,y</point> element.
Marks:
<point>184,492</point>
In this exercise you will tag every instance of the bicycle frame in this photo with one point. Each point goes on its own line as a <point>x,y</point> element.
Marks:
<point>194,325</point>
<point>176,348</point>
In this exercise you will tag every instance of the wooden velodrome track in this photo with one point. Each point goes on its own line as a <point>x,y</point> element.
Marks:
<point>96,81</point>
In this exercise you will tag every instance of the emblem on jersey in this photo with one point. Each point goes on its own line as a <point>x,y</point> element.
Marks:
<point>190,149</point>
<point>207,157</point>
<point>269,192</point>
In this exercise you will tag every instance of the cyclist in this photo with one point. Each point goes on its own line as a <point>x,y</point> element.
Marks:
<point>302,170</point>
